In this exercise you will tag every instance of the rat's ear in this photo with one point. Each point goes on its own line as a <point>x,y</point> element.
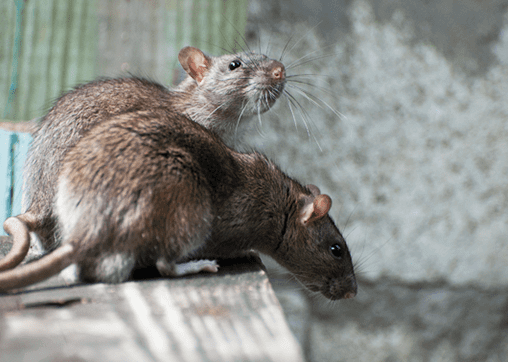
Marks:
<point>315,209</point>
<point>313,189</point>
<point>194,62</point>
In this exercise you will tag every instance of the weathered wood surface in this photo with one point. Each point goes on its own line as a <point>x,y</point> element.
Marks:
<point>231,316</point>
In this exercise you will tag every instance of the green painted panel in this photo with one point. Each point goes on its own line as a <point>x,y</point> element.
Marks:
<point>57,49</point>
<point>58,45</point>
<point>215,26</point>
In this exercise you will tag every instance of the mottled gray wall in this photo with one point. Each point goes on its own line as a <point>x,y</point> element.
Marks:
<point>417,166</point>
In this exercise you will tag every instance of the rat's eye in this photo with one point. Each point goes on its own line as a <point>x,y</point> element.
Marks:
<point>234,64</point>
<point>336,251</point>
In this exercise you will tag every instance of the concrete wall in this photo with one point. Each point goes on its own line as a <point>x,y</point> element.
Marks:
<point>416,163</point>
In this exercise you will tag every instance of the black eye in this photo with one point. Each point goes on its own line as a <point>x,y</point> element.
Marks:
<point>336,250</point>
<point>234,64</point>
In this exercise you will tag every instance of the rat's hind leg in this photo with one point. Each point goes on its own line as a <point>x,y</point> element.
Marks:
<point>108,268</point>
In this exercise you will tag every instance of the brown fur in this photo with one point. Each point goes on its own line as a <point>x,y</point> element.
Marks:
<point>152,185</point>
<point>212,95</point>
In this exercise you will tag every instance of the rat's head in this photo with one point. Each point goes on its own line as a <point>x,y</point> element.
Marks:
<point>241,84</point>
<point>314,250</point>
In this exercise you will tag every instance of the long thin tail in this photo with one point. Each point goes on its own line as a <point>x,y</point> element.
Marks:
<point>20,242</point>
<point>39,270</point>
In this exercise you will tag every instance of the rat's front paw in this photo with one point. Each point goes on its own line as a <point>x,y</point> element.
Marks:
<point>190,267</point>
<point>194,267</point>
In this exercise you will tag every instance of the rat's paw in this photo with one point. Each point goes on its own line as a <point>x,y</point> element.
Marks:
<point>194,267</point>
<point>70,274</point>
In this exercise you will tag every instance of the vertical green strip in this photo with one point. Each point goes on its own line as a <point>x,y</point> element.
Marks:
<point>220,13</point>
<point>171,40</point>
<point>88,42</point>
<point>39,101</point>
<point>25,68</point>
<point>7,35</point>
<point>48,81</point>
<point>210,42</point>
<point>31,83</point>
<point>241,22</point>
<point>235,18</point>
<point>186,15</point>
<point>66,22</point>
<point>203,20</point>
<point>75,26</point>
<point>228,28</point>
<point>154,36</point>
<point>11,98</point>
<point>194,24</point>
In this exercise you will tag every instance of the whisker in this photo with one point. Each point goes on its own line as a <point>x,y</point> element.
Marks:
<point>323,89</point>
<point>285,47</point>
<point>268,46</point>
<point>244,107</point>
<point>291,109</point>
<point>305,116</point>
<point>302,111</point>
<point>239,33</point>
<point>215,110</point>
<point>349,233</point>
<point>259,116</point>
<point>307,57</point>
<point>307,75</point>
<point>301,38</point>
<point>349,217</point>
<point>316,101</point>
<point>360,263</point>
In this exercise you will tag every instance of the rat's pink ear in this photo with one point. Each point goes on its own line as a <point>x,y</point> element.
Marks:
<point>315,209</point>
<point>313,189</point>
<point>194,62</point>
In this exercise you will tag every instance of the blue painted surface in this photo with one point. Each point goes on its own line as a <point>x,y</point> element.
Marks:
<point>13,152</point>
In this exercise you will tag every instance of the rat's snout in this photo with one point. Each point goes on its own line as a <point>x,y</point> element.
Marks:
<point>278,71</point>
<point>352,293</point>
<point>341,288</point>
<point>349,295</point>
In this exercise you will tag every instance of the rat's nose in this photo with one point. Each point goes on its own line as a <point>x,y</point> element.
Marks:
<point>349,295</point>
<point>278,70</point>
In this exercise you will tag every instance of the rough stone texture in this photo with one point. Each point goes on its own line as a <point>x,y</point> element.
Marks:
<point>416,163</point>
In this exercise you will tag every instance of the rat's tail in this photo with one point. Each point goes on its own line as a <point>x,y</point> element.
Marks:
<point>39,270</point>
<point>19,230</point>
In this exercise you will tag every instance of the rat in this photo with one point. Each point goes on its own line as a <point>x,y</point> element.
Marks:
<point>153,188</point>
<point>217,93</point>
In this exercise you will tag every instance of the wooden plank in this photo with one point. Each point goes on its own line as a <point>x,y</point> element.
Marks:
<point>230,316</point>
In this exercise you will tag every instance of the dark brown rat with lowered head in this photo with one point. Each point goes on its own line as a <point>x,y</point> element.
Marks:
<point>218,92</point>
<point>152,188</point>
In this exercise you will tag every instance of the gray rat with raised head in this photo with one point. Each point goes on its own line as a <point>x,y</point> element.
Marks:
<point>217,93</point>
<point>153,188</point>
